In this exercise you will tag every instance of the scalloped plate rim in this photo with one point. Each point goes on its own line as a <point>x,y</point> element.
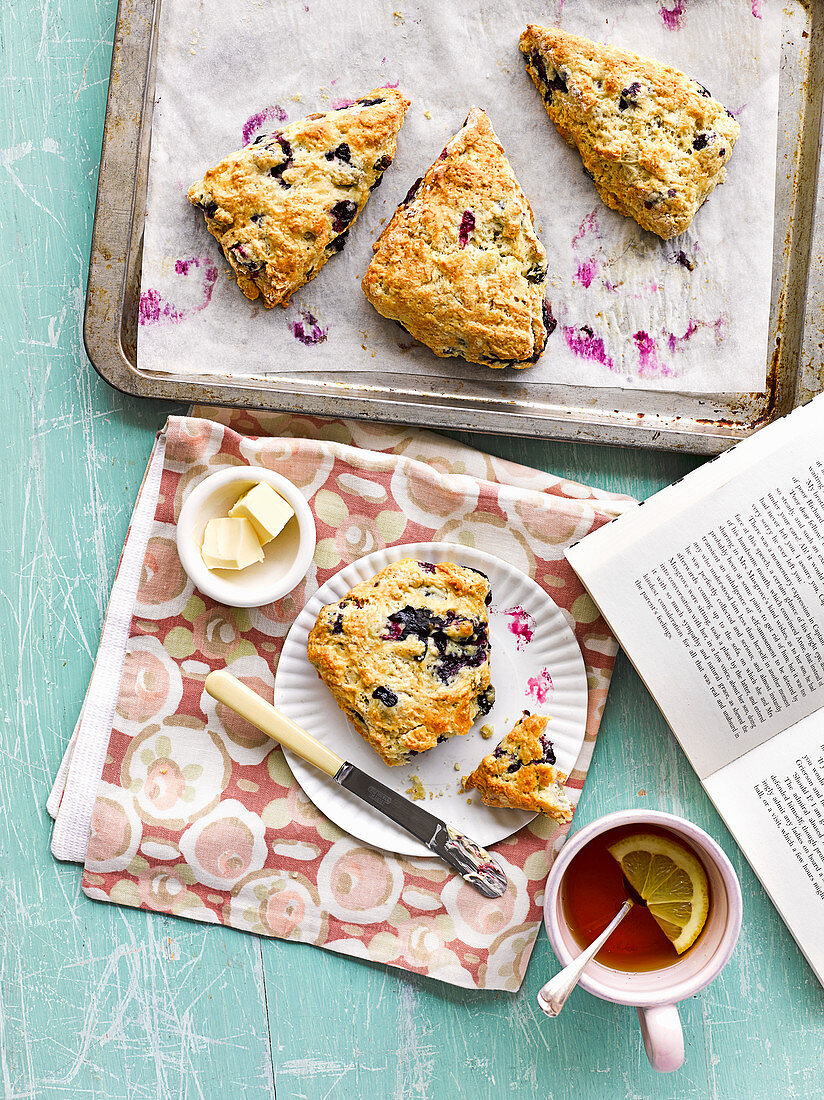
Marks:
<point>319,708</point>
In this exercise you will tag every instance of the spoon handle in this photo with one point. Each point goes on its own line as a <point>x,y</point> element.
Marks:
<point>552,997</point>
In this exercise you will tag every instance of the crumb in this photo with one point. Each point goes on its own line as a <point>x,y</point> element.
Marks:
<point>415,790</point>
<point>487,731</point>
<point>469,801</point>
<point>457,767</point>
<point>296,97</point>
<point>642,793</point>
<point>398,16</point>
<point>427,113</point>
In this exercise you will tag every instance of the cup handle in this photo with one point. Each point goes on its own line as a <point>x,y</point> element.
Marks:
<point>663,1037</point>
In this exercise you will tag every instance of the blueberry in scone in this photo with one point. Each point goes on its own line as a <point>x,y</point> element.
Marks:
<point>283,205</point>
<point>521,774</point>
<point>654,142</point>
<point>406,655</point>
<point>459,265</point>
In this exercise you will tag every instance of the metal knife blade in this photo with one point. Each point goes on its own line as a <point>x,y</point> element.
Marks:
<point>473,863</point>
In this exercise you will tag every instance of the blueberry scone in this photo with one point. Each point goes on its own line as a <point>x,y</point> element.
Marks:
<point>520,772</point>
<point>283,205</point>
<point>654,141</point>
<point>459,265</point>
<point>406,655</point>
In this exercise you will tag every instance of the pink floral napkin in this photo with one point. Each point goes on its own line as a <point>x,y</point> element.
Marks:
<point>196,813</point>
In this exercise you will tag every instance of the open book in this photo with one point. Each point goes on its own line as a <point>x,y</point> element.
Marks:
<point>715,589</point>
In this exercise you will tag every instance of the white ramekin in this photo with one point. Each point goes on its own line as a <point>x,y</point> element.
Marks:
<point>286,557</point>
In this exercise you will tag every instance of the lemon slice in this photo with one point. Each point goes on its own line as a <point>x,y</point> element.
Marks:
<point>671,881</point>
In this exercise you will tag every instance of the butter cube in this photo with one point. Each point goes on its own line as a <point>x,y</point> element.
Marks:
<point>230,544</point>
<point>266,510</point>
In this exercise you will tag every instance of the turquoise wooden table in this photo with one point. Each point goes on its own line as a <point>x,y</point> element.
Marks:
<point>97,1001</point>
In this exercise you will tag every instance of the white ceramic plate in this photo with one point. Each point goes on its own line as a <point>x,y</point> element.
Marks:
<point>544,674</point>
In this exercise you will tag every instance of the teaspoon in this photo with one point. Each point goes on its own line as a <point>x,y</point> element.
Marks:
<point>552,996</point>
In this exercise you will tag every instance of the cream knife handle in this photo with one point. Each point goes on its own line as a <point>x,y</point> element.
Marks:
<point>227,689</point>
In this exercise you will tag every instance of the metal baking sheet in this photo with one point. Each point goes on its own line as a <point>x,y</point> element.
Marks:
<point>667,421</point>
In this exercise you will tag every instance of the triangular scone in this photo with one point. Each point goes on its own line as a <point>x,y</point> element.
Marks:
<point>520,772</point>
<point>459,265</point>
<point>406,655</point>
<point>283,205</point>
<point>654,141</point>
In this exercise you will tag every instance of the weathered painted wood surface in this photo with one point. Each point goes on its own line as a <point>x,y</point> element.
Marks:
<point>101,1002</point>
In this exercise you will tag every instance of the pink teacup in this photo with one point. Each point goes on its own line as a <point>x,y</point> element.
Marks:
<point>655,993</point>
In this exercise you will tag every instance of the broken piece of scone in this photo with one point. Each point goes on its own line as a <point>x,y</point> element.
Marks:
<point>654,141</point>
<point>459,265</point>
<point>283,205</point>
<point>520,773</point>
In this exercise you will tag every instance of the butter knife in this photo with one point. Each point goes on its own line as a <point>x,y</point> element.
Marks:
<point>473,863</point>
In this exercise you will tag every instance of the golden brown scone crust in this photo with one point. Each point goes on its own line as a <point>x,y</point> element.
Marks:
<point>654,141</point>
<point>519,773</point>
<point>406,655</point>
<point>283,205</point>
<point>459,265</point>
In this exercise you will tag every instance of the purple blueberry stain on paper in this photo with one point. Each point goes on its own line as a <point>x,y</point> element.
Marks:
<point>154,308</point>
<point>254,122</point>
<point>756,8</point>
<point>672,17</point>
<point>586,345</point>
<point>587,226</point>
<point>675,342</point>
<point>540,687</point>
<point>340,104</point>
<point>586,273</point>
<point>649,365</point>
<point>521,625</point>
<point>308,331</point>
<point>717,326</point>
<point>589,232</point>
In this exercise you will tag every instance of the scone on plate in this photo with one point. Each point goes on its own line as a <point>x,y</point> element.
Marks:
<point>406,655</point>
<point>654,141</point>
<point>520,772</point>
<point>459,265</point>
<point>283,205</point>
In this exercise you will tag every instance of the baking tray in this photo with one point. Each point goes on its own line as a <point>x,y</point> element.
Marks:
<point>666,421</point>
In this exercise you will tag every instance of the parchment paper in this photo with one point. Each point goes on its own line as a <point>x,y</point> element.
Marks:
<point>630,311</point>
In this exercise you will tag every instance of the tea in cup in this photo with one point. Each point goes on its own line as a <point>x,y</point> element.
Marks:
<point>639,965</point>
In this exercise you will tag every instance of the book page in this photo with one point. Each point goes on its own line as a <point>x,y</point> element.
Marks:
<point>773,801</point>
<point>720,603</point>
